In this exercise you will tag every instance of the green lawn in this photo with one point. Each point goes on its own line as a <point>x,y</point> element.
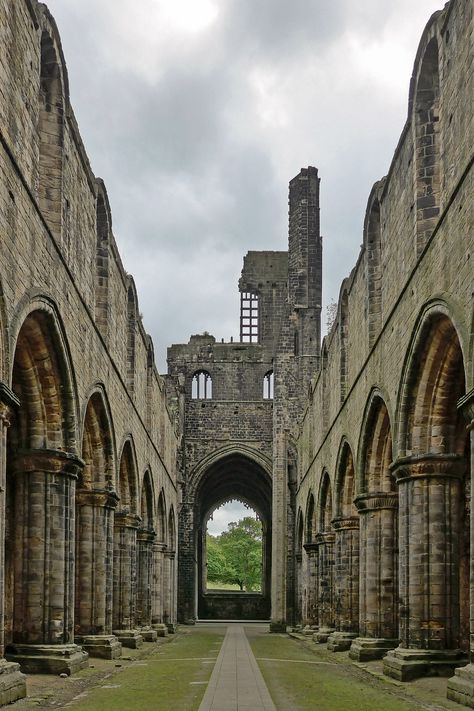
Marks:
<point>163,680</point>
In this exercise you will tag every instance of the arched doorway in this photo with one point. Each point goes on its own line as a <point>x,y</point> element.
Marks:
<point>233,476</point>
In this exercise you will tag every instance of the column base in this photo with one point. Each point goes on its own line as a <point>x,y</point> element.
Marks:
<point>48,658</point>
<point>132,639</point>
<point>461,686</point>
<point>365,649</point>
<point>172,627</point>
<point>101,646</point>
<point>160,628</point>
<point>308,631</point>
<point>12,683</point>
<point>322,635</point>
<point>277,627</point>
<point>340,641</point>
<point>406,664</point>
<point>149,634</point>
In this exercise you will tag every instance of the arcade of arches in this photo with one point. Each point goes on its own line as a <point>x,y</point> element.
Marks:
<point>356,451</point>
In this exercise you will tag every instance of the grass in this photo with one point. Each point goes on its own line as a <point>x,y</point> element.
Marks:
<point>327,686</point>
<point>163,680</point>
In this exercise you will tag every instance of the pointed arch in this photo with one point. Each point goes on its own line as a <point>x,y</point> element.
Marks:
<point>373,261</point>
<point>161,518</point>
<point>343,338</point>
<point>345,482</point>
<point>102,272</point>
<point>310,518</point>
<point>325,510</point>
<point>172,530</point>
<point>375,447</point>
<point>127,483</point>
<point>146,502</point>
<point>132,317</point>
<point>98,443</point>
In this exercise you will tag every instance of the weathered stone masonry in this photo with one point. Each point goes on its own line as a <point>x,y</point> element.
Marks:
<point>88,493</point>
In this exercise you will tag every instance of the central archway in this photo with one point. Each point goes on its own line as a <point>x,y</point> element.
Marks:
<point>234,476</point>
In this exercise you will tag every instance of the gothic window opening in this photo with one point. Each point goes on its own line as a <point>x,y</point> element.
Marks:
<point>268,385</point>
<point>201,386</point>
<point>248,317</point>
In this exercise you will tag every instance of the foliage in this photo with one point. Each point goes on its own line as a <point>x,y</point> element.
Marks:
<point>236,555</point>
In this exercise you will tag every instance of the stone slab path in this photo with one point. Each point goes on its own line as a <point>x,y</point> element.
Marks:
<point>236,683</point>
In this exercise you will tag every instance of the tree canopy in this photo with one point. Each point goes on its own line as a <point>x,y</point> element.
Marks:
<point>236,555</point>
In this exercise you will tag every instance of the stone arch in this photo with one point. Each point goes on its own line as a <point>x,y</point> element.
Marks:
<point>126,525</point>
<point>103,218</point>
<point>310,518</point>
<point>377,503</point>
<point>325,560</point>
<point>426,141</point>
<point>373,261</point>
<point>147,509</point>
<point>146,538</point>
<point>95,504</point>
<point>300,592</point>
<point>132,318</point>
<point>51,133</point>
<point>161,527</point>
<point>325,510</point>
<point>325,377</point>
<point>345,482</point>
<point>42,469</point>
<point>343,340</point>
<point>434,559</point>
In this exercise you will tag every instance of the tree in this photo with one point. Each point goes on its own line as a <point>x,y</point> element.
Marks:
<point>236,555</point>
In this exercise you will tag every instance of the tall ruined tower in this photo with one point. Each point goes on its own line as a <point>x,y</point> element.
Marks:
<point>295,360</point>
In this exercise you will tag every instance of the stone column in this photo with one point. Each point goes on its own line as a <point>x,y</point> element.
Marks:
<point>312,585</point>
<point>44,517</point>
<point>187,587</point>
<point>12,681</point>
<point>125,580</point>
<point>346,583</point>
<point>157,590</point>
<point>430,496</point>
<point>169,607</point>
<point>279,533</point>
<point>325,543</point>
<point>378,620</point>
<point>300,603</point>
<point>94,572</point>
<point>145,579</point>
<point>461,686</point>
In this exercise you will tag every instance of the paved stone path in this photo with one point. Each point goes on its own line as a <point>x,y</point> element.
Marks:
<point>236,683</point>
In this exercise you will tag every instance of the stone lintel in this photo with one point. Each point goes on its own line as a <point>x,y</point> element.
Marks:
<point>324,538</point>
<point>100,646</point>
<point>129,638</point>
<point>365,649</point>
<point>376,501</point>
<point>98,498</point>
<point>125,519</point>
<point>427,466</point>
<point>12,682</point>
<point>407,664</point>
<point>52,461</point>
<point>48,658</point>
<point>345,523</point>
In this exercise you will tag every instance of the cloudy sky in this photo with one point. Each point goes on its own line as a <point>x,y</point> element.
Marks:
<point>197,113</point>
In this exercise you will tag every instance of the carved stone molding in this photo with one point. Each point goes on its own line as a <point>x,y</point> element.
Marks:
<point>324,538</point>
<point>99,498</point>
<point>376,501</point>
<point>345,523</point>
<point>429,465</point>
<point>125,519</point>
<point>52,461</point>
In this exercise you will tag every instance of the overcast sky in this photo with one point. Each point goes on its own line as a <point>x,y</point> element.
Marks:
<point>197,113</point>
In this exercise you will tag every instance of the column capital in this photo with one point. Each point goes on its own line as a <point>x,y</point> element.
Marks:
<point>424,466</point>
<point>376,501</point>
<point>324,538</point>
<point>170,554</point>
<point>125,519</point>
<point>159,546</point>
<point>146,535</point>
<point>310,547</point>
<point>346,523</point>
<point>466,406</point>
<point>53,461</point>
<point>99,498</point>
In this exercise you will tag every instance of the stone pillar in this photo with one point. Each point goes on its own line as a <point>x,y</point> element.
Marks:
<point>279,533</point>
<point>169,606</point>
<point>44,516</point>
<point>187,587</point>
<point>145,578</point>
<point>378,620</point>
<point>311,585</point>
<point>346,583</point>
<point>12,681</point>
<point>430,496</point>
<point>157,590</point>
<point>125,580</point>
<point>325,543</point>
<point>461,686</point>
<point>94,572</point>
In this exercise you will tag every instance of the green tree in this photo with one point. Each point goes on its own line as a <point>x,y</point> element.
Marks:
<point>236,555</point>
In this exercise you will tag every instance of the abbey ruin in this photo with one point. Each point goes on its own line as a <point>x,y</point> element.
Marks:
<point>357,452</point>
